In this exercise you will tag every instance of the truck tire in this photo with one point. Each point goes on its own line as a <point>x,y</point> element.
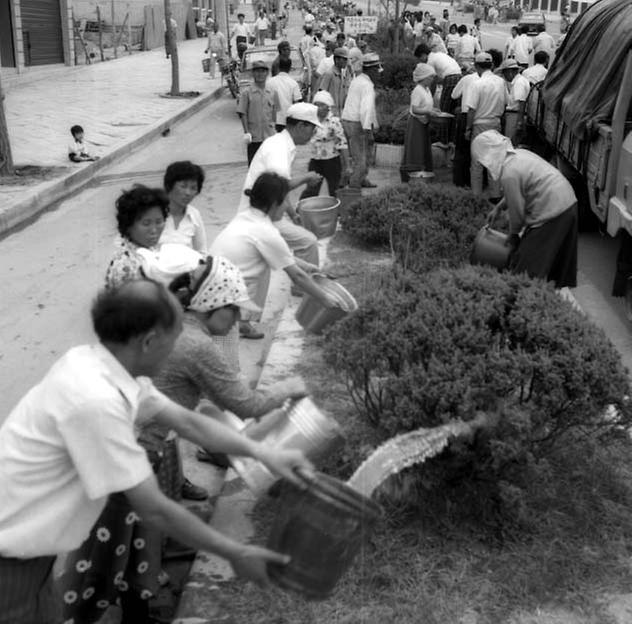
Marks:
<point>587,220</point>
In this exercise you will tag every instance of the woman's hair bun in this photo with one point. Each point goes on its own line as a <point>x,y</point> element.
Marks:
<point>248,192</point>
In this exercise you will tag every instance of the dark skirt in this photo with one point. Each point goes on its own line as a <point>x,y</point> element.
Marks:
<point>417,147</point>
<point>550,251</point>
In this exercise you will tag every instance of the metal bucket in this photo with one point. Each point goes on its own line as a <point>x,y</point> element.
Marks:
<point>301,426</point>
<point>489,248</point>
<point>319,215</point>
<point>322,528</point>
<point>314,317</point>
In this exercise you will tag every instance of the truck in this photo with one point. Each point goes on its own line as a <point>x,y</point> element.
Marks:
<point>581,114</point>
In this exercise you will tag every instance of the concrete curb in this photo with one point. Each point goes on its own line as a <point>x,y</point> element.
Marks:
<point>23,211</point>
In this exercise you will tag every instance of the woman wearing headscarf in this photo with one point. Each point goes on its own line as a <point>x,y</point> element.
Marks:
<point>541,206</point>
<point>213,297</point>
<point>328,146</point>
<point>417,144</point>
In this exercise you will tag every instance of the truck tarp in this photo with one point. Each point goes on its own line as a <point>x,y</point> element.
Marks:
<point>584,79</point>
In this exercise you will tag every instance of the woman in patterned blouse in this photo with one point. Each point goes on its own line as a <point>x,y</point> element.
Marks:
<point>330,154</point>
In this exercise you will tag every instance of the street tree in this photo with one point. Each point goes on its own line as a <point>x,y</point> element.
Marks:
<point>172,49</point>
<point>6,159</point>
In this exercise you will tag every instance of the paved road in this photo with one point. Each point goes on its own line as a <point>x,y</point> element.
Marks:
<point>51,269</point>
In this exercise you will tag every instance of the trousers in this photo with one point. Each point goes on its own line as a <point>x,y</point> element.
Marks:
<point>301,241</point>
<point>358,150</point>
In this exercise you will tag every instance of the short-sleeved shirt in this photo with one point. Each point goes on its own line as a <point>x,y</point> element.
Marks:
<point>488,98</point>
<point>325,65</point>
<point>252,243</point>
<point>466,48</point>
<point>126,264</point>
<point>518,91</point>
<point>77,148</point>
<point>328,140</point>
<point>536,73</point>
<point>67,445</point>
<point>360,103</point>
<point>259,106</point>
<point>190,231</point>
<point>443,64</point>
<point>421,97</point>
<point>463,87</point>
<point>240,30</point>
<point>522,48</point>
<point>276,154</point>
<point>287,91</point>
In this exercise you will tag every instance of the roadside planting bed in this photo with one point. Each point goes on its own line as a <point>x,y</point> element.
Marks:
<point>531,513</point>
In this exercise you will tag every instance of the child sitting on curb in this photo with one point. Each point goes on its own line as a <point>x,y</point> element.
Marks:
<point>77,151</point>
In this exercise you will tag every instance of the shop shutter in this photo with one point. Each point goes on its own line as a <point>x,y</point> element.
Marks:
<point>41,29</point>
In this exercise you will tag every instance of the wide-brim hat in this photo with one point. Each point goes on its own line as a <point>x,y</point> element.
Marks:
<point>509,64</point>
<point>371,59</point>
<point>302,111</point>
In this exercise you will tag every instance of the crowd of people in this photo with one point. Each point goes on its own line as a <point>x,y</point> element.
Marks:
<point>89,462</point>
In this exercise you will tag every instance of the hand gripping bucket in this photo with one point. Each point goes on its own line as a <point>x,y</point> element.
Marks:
<point>319,215</point>
<point>322,528</point>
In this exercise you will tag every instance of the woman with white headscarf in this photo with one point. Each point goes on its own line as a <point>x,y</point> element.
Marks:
<point>329,149</point>
<point>541,206</point>
<point>417,143</point>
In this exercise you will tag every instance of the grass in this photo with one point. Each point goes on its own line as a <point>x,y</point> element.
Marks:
<point>432,563</point>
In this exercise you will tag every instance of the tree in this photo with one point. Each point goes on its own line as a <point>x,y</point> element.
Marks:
<point>172,49</point>
<point>6,159</point>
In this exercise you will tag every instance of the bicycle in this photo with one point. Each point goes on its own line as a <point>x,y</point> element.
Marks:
<point>228,69</point>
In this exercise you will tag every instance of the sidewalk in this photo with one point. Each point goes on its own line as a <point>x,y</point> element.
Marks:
<point>119,105</point>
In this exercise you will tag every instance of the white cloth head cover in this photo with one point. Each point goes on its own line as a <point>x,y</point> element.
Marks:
<point>490,148</point>
<point>422,71</point>
<point>324,97</point>
<point>171,260</point>
<point>223,286</point>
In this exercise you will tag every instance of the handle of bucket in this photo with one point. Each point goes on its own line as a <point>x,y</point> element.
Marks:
<point>495,211</point>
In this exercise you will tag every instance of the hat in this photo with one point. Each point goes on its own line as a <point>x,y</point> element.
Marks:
<point>371,59</point>
<point>483,57</point>
<point>323,97</point>
<point>223,285</point>
<point>355,54</point>
<point>423,70</point>
<point>342,53</point>
<point>260,65</point>
<point>509,64</point>
<point>429,29</point>
<point>304,112</point>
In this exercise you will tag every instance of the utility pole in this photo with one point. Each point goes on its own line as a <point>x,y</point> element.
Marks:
<point>397,24</point>
<point>6,159</point>
<point>172,50</point>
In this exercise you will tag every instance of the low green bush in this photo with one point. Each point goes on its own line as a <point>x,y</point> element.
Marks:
<point>425,349</point>
<point>398,71</point>
<point>401,216</point>
<point>392,111</point>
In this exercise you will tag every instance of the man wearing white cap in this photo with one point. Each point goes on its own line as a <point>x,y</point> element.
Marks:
<point>277,154</point>
<point>359,117</point>
<point>485,105</point>
<point>518,91</point>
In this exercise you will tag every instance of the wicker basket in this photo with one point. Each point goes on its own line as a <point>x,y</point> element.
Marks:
<point>206,65</point>
<point>387,155</point>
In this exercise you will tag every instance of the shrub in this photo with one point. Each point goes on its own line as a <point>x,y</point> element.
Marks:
<point>392,112</point>
<point>410,206</point>
<point>422,350</point>
<point>398,71</point>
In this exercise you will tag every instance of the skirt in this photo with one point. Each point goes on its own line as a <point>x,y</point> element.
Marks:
<point>417,147</point>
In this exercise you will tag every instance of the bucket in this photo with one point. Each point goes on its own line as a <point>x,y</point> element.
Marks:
<point>490,249</point>
<point>314,317</point>
<point>319,215</point>
<point>348,196</point>
<point>301,426</point>
<point>322,528</point>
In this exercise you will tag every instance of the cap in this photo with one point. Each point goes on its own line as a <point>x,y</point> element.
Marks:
<point>304,112</point>
<point>509,64</point>
<point>371,59</point>
<point>355,54</point>
<point>323,97</point>
<point>342,53</point>
<point>483,57</point>
<point>260,65</point>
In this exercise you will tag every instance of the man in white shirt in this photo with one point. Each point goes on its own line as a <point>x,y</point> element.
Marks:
<point>523,47</point>
<point>518,88</point>
<point>485,106</point>
<point>538,71</point>
<point>447,70</point>
<point>359,117</point>
<point>325,64</point>
<point>287,90</point>
<point>241,33</point>
<point>262,23</point>
<point>544,42</point>
<point>71,442</point>
<point>306,42</point>
<point>467,47</point>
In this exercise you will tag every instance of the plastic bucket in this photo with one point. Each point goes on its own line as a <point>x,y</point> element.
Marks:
<point>322,528</point>
<point>489,248</point>
<point>319,215</point>
<point>301,426</point>
<point>314,317</point>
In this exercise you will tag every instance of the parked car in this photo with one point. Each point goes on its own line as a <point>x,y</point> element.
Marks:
<point>533,21</point>
<point>300,68</point>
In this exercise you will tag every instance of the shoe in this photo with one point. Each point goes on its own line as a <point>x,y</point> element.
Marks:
<point>246,330</point>
<point>217,459</point>
<point>368,184</point>
<point>193,492</point>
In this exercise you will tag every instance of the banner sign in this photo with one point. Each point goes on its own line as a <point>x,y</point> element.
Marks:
<point>360,25</point>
